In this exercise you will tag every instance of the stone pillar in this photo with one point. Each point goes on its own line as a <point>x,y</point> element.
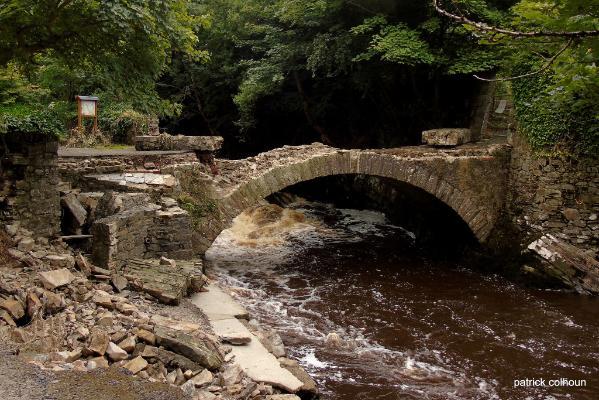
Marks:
<point>29,179</point>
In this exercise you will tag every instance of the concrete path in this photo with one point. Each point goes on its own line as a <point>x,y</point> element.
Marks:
<point>217,304</point>
<point>252,357</point>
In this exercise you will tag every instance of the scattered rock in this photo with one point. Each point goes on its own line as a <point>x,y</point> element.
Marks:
<point>53,302</point>
<point>98,342</point>
<point>60,260</point>
<point>83,265</point>
<point>5,316</point>
<point>136,365</point>
<point>232,375</point>
<point>66,356</point>
<point>126,308</point>
<point>98,362</point>
<point>14,308</point>
<point>203,378</point>
<point>188,388</point>
<point>56,278</point>
<point>115,353</point>
<point>309,385</point>
<point>146,336</point>
<point>128,344</point>
<point>204,395</point>
<point>119,282</point>
<point>103,299</point>
<point>170,359</point>
<point>34,304</point>
<point>168,261</point>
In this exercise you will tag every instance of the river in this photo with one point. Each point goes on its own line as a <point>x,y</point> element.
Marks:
<point>371,317</point>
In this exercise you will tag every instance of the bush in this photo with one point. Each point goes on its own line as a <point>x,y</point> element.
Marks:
<point>122,124</point>
<point>552,123</point>
<point>30,120</point>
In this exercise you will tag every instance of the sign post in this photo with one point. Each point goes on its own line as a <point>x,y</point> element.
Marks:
<point>87,107</point>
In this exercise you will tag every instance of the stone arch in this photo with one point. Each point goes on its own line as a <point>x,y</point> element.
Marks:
<point>435,175</point>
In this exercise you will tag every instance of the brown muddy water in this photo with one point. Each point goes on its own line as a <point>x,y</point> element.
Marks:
<point>370,317</point>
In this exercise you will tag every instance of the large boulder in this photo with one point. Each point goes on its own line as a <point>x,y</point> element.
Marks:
<point>201,350</point>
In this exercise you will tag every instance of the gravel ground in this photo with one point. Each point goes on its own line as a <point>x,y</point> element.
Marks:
<point>22,381</point>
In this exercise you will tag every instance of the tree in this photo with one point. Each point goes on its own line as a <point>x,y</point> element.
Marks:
<point>550,52</point>
<point>349,73</point>
<point>120,46</point>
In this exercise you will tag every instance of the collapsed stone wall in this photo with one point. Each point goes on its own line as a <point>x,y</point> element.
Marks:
<point>74,169</point>
<point>142,231</point>
<point>29,192</point>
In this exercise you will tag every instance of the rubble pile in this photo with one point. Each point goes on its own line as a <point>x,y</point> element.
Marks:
<point>65,313</point>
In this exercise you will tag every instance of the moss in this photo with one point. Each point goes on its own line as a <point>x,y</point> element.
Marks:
<point>198,210</point>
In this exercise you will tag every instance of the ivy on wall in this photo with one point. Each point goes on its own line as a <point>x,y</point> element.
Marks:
<point>551,124</point>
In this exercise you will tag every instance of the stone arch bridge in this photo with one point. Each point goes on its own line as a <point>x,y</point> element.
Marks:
<point>471,179</point>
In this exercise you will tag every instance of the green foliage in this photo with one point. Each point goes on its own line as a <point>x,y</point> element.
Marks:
<point>196,209</point>
<point>551,122</point>
<point>51,51</point>
<point>28,120</point>
<point>123,123</point>
<point>395,43</point>
<point>557,107</point>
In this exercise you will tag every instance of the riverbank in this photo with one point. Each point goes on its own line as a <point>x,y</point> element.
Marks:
<point>68,323</point>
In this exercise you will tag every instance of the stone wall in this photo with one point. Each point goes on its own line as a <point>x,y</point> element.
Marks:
<point>143,231</point>
<point>29,181</point>
<point>74,169</point>
<point>554,204</point>
<point>554,196</point>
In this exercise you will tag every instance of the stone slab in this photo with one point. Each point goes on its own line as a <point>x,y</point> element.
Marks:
<point>56,278</point>
<point>261,366</point>
<point>167,284</point>
<point>71,203</point>
<point>231,331</point>
<point>253,358</point>
<point>446,136</point>
<point>217,304</point>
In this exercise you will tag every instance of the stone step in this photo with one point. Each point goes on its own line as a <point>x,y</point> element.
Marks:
<point>252,357</point>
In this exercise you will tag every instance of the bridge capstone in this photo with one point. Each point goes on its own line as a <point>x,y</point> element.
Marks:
<point>471,179</point>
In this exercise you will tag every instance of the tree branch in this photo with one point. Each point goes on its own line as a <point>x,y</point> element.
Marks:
<point>489,28</point>
<point>538,71</point>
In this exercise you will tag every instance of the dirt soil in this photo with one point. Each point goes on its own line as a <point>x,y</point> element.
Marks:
<point>23,381</point>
